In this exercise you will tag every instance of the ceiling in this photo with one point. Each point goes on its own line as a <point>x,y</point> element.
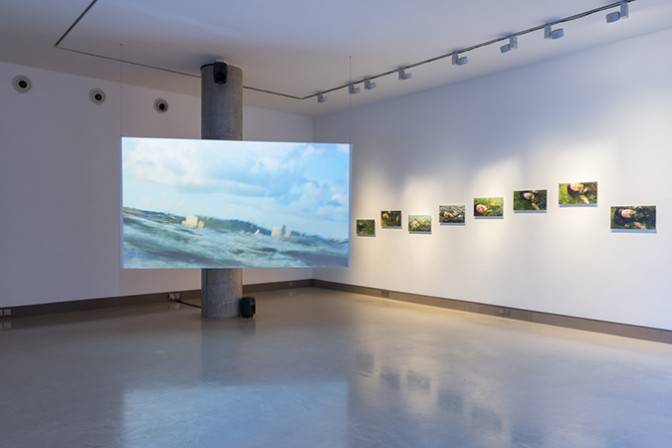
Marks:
<point>300,47</point>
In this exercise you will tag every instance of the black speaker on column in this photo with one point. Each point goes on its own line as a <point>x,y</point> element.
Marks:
<point>220,72</point>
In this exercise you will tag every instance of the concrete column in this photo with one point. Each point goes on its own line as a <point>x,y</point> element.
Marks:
<point>221,119</point>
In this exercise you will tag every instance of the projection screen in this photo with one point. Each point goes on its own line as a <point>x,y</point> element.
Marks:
<point>234,204</point>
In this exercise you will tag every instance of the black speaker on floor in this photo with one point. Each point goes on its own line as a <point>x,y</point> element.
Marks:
<point>247,306</point>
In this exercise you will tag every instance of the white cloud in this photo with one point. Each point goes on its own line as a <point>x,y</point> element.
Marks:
<point>301,180</point>
<point>312,151</point>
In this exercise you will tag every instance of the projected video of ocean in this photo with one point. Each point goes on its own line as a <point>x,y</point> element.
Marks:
<point>162,240</point>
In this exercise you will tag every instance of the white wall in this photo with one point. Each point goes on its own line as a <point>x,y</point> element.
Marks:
<point>603,114</point>
<point>60,185</point>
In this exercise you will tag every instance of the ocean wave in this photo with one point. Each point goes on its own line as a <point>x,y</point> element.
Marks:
<point>155,240</point>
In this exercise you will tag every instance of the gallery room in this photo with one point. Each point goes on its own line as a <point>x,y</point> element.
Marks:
<point>335,223</point>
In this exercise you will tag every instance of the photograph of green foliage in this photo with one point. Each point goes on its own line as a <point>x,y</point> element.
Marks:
<point>637,217</point>
<point>530,200</point>
<point>366,227</point>
<point>451,214</point>
<point>489,207</point>
<point>579,193</point>
<point>419,223</point>
<point>390,219</point>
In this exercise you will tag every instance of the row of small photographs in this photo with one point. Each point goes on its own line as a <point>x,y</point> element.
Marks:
<point>637,218</point>
<point>631,217</point>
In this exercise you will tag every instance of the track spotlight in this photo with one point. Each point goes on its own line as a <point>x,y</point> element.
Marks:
<point>624,13</point>
<point>512,45</point>
<point>404,75</point>
<point>620,9</point>
<point>550,33</point>
<point>459,60</point>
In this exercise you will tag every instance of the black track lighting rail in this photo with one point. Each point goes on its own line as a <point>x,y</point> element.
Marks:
<point>59,44</point>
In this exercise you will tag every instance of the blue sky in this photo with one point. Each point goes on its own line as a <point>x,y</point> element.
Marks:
<point>304,186</point>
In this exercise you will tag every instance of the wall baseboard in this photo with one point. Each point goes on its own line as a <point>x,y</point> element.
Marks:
<point>259,287</point>
<point>192,295</point>
<point>540,317</point>
<point>96,304</point>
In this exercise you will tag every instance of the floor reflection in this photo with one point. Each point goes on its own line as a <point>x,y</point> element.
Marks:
<point>319,368</point>
<point>412,408</point>
<point>254,415</point>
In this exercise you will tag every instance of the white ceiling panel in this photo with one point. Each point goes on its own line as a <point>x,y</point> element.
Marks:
<point>300,47</point>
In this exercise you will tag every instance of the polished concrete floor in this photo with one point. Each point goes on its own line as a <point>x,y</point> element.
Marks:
<point>319,368</point>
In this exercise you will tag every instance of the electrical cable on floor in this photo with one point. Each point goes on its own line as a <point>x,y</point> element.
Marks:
<point>188,304</point>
